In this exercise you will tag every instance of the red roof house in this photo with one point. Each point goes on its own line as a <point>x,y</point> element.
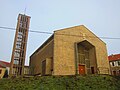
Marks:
<point>114,61</point>
<point>4,64</point>
<point>114,57</point>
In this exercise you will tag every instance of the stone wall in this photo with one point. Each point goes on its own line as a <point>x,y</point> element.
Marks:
<point>64,51</point>
<point>37,58</point>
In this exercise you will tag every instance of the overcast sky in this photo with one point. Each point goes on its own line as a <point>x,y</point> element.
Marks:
<point>102,17</point>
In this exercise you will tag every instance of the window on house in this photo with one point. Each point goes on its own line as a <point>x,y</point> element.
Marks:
<point>118,63</point>
<point>119,72</point>
<point>0,71</point>
<point>113,64</point>
<point>110,63</point>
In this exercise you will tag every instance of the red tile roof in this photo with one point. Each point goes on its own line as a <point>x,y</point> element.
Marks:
<point>4,64</point>
<point>114,57</point>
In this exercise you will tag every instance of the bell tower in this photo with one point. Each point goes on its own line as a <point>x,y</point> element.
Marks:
<point>19,47</point>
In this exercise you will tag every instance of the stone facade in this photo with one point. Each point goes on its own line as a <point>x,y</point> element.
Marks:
<point>70,51</point>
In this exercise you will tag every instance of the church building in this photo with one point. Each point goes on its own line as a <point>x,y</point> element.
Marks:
<point>71,51</point>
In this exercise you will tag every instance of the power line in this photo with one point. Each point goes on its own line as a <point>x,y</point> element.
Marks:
<point>40,32</point>
<point>13,29</point>
<point>8,28</point>
<point>61,34</point>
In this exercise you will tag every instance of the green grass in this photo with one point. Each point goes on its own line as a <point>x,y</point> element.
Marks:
<point>89,82</point>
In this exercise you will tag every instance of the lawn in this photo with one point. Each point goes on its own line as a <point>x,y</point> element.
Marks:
<point>89,82</point>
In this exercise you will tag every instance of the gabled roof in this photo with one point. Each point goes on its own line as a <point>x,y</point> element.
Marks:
<point>4,64</point>
<point>64,29</point>
<point>114,57</point>
<point>48,40</point>
<point>80,26</point>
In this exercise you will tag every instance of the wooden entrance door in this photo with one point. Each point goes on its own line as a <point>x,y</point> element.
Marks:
<point>92,70</point>
<point>82,69</point>
<point>114,73</point>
